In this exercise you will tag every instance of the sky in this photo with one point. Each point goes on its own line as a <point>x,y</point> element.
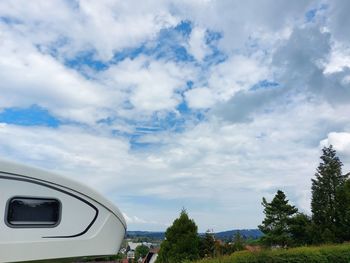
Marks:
<point>207,105</point>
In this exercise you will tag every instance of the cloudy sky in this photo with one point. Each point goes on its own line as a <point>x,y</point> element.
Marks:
<point>203,104</point>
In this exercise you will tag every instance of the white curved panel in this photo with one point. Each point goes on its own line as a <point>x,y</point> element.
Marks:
<point>75,214</point>
<point>88,226</point>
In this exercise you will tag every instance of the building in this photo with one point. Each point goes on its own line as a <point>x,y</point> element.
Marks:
<point>130,254</point>
<point>151,256</point>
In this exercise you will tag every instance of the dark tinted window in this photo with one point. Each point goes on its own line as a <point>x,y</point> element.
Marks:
<point>28,212</point>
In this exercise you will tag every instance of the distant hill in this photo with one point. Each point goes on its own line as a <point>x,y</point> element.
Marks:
<point>145,234</point>
<point>246,233</point>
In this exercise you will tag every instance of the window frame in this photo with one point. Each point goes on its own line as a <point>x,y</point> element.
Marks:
<point>28,225</point>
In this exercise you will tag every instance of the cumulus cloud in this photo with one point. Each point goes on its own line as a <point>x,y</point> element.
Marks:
<point>299,60</point>
<point>197,43</point>
<point>339,60</point>
<point>274,83</point>
<point>152,85</point>
<point>341,143</point>
<point>301,63</point>
<point>142,222</point>
<point>200,98</point>
<point>264,20</point>
<point>214,165</point>
<point>244,104</point>
<point>134,219</point>
<point>79,25</point>
<point>236,74</point>
<point>340,140</point>
<point>30,77</point>
<point>338,20</point>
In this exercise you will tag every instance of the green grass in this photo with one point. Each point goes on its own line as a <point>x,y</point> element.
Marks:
<point>320,254</point>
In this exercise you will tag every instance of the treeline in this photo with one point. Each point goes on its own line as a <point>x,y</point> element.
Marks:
<point>329,222</point>
<point>182,242</point>
<point>283,226</point>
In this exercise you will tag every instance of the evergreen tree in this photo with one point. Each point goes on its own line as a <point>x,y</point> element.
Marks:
<point>207,245</point>
<point>301,230</point>
<point>238,241</point>
<point>278,216</point>
<point>325,201</point>
<point>181,241</point>
<point>343,197</point>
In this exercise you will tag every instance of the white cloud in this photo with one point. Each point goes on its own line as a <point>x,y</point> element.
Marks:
<point>106,26</point>
<point>218,166</point>
<point>276,150</point>
<point>134,219</point>
<point>339,59</point>
<point>197,43</point>
<point>301,65</point>
<point>200,98</point>
<point>67,149</point>
<point>338,20</point>
<point>142,222</point>
<point>30,77</point>
<point>340,141</point>
<point>152,85</point>
<point>240,23</point>
<point>253,142</point>
<point>239,73</point>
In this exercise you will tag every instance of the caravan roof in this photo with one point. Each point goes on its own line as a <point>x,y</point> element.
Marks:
<point>48,177</point>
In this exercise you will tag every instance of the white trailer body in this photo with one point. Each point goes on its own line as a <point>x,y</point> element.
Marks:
<point>46,216</point>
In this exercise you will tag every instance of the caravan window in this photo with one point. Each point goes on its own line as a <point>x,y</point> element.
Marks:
<point>33,212</point>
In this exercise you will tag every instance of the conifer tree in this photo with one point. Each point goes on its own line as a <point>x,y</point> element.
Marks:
<point>325,202</point>
<point>181,241</point>
<point>238,241</point>
<point>278,216</point>
<point>301,230</point>
<point>207,245</point>
<point>343,197</point>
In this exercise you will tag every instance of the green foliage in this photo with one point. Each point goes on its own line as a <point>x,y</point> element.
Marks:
<point>182,241</point>
<point>224,248</point>
<point>253,241</point>
<point>326,203</point>
<point>344,210</point>
<point>301,230</point>
<point>238,241</point>
<point>322,254</point>
<point>141,251</point>
<point>207,245</point>
<point>278,217</point>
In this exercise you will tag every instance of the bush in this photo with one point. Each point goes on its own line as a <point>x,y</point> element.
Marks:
<point>322,254</point>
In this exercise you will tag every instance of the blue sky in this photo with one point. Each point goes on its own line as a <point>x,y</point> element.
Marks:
<point>207,105</point>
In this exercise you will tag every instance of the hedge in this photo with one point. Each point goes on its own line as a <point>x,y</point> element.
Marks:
<point>321,254</point>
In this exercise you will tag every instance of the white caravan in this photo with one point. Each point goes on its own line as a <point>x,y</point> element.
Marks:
<point>46,216</point>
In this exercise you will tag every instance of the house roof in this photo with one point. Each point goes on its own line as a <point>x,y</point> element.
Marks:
<point>133,245</point>
<point>150,254</point>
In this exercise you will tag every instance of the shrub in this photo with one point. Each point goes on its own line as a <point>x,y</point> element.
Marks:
<point>322,254</point>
